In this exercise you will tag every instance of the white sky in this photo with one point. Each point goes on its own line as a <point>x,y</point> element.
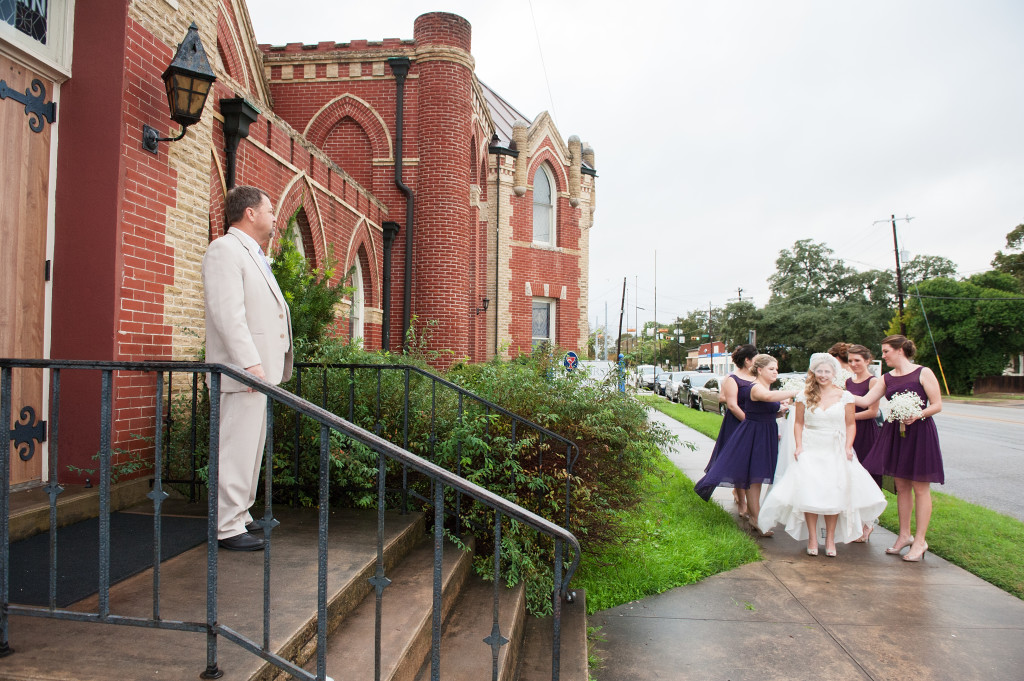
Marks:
<point>725,130</point>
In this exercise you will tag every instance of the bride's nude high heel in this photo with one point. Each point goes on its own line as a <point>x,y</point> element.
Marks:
<point>868,529</point>
<point>897,547</point>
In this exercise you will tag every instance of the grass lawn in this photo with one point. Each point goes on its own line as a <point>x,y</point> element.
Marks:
<point>979,540</point>
<point>673,538</point>
<point>703,422</point>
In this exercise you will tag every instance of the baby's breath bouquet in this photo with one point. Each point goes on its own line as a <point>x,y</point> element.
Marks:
<point>841,377</point>
<point>904,406</point>
<point>797,384</point>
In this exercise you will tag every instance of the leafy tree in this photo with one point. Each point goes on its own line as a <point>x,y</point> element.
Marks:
<point>924,267</point>
<point>738,318</point>
<point>975,324</point>
<point>809,274</point>
<point>1012,262</point>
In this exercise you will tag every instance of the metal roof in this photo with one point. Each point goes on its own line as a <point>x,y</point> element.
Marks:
<point>503,114</point>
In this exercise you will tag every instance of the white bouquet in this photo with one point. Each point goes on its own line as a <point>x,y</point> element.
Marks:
<point>903,407</point>
<point>841,377</point>
<point>797,384</point>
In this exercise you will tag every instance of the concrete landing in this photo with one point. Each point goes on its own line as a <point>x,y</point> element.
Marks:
<point>48,649</point>
<point>863,615</point>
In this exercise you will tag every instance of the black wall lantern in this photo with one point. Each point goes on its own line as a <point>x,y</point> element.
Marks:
<point>188,80</point>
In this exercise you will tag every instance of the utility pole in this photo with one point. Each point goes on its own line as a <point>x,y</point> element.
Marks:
<point>622,311</point>
<point>655,362</point>
<point>899,270</point>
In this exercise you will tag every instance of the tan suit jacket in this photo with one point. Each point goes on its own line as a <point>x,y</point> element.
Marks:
<point>247,318</point>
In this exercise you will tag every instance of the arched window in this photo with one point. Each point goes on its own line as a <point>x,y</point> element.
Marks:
<point>543,207</point>
<point>356,315</point>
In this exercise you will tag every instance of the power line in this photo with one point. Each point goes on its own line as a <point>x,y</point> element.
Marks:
<point>543,64</point>
<point>916,295</point>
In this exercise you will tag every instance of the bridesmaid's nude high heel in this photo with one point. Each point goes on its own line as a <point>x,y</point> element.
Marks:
<point>916,559</point>
<point>897,547</point>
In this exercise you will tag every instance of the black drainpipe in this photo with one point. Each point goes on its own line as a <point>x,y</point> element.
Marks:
<point>390,232</point>
<point>495,148</point>
<point>400,67</point>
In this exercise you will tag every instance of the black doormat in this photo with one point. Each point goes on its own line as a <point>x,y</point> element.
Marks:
<point>131,552</point>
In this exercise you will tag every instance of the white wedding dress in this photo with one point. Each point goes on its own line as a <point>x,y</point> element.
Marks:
<point>823,480</point>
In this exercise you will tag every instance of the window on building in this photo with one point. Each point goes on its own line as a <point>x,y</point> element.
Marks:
<point>543,322</point>
<point>543,207</point>
<point>40,28</point>
<point>356,315</point>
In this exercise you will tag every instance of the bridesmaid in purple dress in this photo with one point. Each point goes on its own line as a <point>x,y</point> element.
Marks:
<point>914,460</point>
<point>735,392</point>
<point>748,459</point>
<point>858,359</point>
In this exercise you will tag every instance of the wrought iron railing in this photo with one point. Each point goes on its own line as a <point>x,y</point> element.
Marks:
<point>214,627</point>
<point>334,387</point>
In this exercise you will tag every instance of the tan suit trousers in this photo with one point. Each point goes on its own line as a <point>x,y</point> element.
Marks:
<point>241,447</point>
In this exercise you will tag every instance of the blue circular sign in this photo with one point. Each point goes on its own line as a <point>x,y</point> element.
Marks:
<point>571,361</point>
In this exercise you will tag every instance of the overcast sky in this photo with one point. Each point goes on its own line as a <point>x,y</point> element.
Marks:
<point>725,131</point>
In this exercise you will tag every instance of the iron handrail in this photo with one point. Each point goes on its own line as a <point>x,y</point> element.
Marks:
<point>328,421</point>
<point>572,451</point>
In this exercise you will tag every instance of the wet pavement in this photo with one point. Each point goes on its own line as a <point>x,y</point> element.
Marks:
<point>862,615</point>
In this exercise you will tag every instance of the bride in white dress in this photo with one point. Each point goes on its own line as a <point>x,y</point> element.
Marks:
<point>824,477</point>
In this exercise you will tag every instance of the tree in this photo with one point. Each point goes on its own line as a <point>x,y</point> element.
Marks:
<point>924,267</point>
<point>808,273</point>
<point>975,324</point>
<point>738,318</point>
<point>1012,263</point>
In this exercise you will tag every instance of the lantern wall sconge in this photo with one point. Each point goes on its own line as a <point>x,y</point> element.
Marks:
<point>486,302</point>
<point>188,80</point>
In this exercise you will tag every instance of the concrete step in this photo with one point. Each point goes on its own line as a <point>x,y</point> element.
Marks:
<point>464,655</point>
<point>407,613</point>
<point>573,663</point>
<point>52,649</point>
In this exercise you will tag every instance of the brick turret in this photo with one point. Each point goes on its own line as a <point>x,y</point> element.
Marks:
<point>442,248</point>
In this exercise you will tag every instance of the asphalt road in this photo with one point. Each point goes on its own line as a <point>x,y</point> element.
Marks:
<point>983,454</point>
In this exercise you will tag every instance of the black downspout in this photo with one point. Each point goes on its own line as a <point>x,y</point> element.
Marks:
<point>390,232</point>
<point>400,67</point>
<point>495,148</point>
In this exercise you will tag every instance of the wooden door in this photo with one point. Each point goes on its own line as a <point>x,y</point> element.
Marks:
<point>24,188</point>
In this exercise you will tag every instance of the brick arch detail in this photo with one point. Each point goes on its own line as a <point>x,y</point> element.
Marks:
<point>229,45</point>
<point>545,155</point>
<point>299,192</point>
<point>362,239</point>
<point>350,106</point>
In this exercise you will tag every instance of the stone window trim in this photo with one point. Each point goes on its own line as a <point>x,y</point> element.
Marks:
<point>543,321</point>
<point>544,208</point>
<point>357,310</point>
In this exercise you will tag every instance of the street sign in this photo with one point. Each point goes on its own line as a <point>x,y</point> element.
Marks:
<point>571,361</point>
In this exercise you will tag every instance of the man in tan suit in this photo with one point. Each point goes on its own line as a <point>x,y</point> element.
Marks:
<point>248,324</point>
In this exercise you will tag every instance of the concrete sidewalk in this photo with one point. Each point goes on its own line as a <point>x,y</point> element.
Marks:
<point>862,615</point>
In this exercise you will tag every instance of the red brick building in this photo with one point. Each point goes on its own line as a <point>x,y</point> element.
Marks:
<point>468,216</point>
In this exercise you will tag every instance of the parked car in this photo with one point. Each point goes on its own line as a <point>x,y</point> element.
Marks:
<point>664,380</point>
<point>697,381</point>
<point>679,387</point>
<point>647,374</point>
<point>708,397</point>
